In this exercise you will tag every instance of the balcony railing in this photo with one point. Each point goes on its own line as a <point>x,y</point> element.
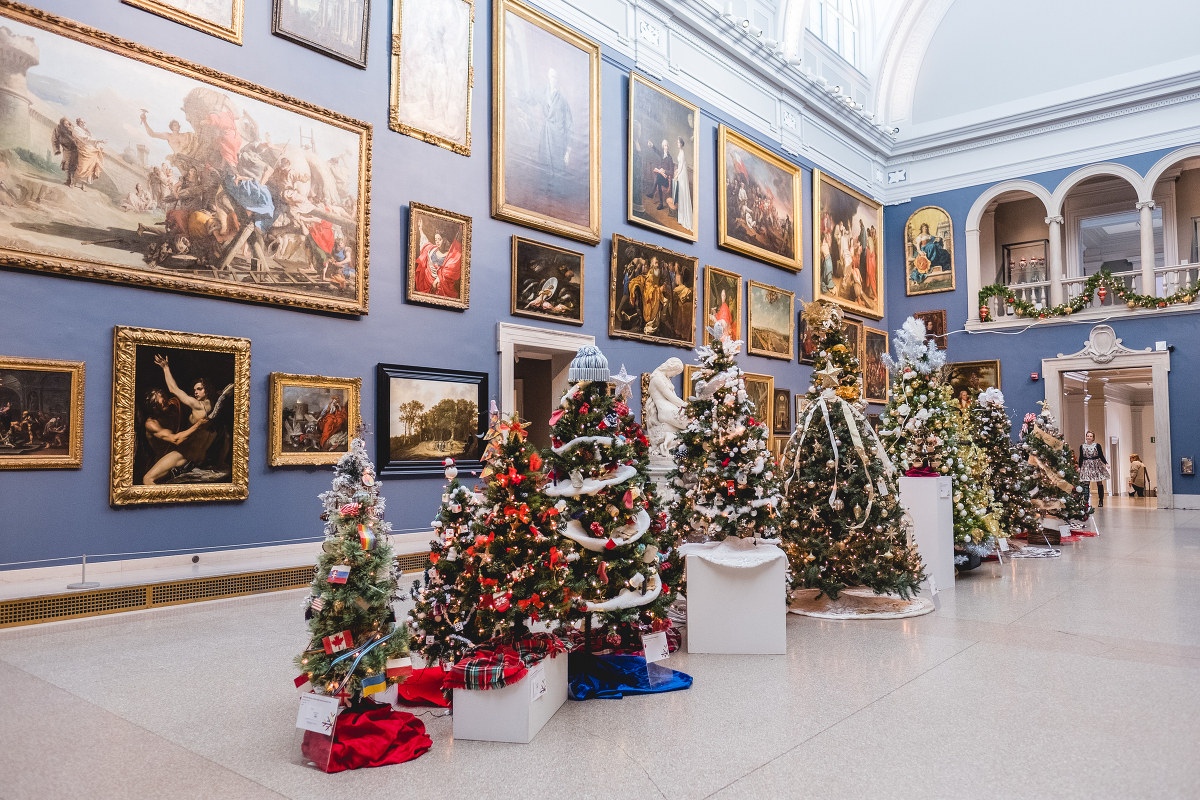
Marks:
<point>1073,287</point>
<point>1169,280</point>
<point>1037,293</point>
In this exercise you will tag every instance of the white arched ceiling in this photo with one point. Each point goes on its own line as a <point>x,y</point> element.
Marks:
<point>1002,55</point>
<point>912,29</point>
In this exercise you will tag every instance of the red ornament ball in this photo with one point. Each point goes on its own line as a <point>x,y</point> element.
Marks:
<point>1102,293</point>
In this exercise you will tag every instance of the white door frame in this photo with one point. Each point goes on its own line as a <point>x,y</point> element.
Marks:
<point>1103,350</point>
<point>511,340</point>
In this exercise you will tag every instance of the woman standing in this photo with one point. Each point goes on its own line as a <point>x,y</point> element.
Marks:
<point>1093,466</point>
<point>1137,475</point>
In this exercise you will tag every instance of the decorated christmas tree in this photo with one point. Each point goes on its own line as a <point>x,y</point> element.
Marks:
<point>1013,481</point>
<point>1061,495</point>
<point>844,524</point>
<point>927,434</point>
<point>725,481</point>
<point>355,649</point>
<point>439,609</point>
<point>613,523</point>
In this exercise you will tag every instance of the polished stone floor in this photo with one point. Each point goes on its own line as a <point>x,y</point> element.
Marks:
<point>1076,677</point>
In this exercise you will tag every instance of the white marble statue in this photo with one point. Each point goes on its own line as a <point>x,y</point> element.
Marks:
<point>662,413</point>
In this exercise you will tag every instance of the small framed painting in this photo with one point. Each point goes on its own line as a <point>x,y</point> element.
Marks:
<point>426,415</point>
<point>783,412</point>
<point>439,257</point>
<point>336,30</point>
<point>758,202</point>
<point>802,403</point>
<point>928,252</point>
<point>935,326</point>
<point>181,417</point>
<point>220,18</point>
<point>547,282</point>
<point>847,230</point>
<point>772,316</point>
<point>854,338</point>
<point>652,294</point>
<point>874,370</point>
<point>313,418</point>
<point>664,148</point>
<point>41,413</point>
<point>722,302</point>
<point>808,341</point>
<point>433,71</point>
<point>968,378</point>
<point>761,389</point>
<point>1187,466</point>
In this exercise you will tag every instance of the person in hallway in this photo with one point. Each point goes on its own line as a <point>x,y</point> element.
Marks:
<point>1093,466</point>
<point>1137,476</point>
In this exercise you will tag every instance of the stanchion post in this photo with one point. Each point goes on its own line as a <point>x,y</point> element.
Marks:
<point>83,581</point>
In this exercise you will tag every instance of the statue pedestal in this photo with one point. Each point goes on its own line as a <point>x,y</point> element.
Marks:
<point>658,474</point>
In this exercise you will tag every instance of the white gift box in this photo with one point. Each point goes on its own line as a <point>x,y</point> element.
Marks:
<point>929,502</point>
<point>736,597</point>
<point>512,714</point>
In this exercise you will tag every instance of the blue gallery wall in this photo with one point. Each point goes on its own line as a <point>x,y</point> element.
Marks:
<point>63,513</point>
<point>1021,352</point>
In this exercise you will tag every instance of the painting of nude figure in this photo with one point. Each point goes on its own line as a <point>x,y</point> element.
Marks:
<point>180,422</point>
<point>126,164</point>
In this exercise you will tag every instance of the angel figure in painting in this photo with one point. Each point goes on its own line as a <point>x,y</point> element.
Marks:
<point>439,266</point>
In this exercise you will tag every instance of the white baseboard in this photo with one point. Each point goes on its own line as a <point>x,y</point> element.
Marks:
<point>1186,501</point>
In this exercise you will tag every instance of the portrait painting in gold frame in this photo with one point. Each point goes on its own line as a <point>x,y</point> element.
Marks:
<point>722,301</point>
<point>439,257</point>
<point>664,149</point>
<point>41,413</point>
<point>221,18</point>
<point>313,418</point>
<point>433,71</point>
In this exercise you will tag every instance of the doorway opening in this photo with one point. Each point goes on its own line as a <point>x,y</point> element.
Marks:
<point>533,372</point>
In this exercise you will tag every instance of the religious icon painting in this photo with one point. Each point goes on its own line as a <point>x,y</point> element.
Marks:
<point>338,31</point>
<point>874,370</point>
<point>41,413</point>
<point>221,18</point>
<point>652,294</point>
<point>928,252</point>
<point>847,254</point>
<point>313,418</point>
<point>545,124</point>
<point>808,341</point>
<point>547,282</point>
<point>439,257</point>
<point>433,72</point>
<point>426,415</point>
<point>758,208</point>
<point>771,317</point>
<point>935,326</point>
<point>181,417</point>
<point>783,413</point>
<point>664,148</point>
<point>722,302</point>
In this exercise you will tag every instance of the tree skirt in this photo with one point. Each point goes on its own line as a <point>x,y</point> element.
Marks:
<point>613,677</point>
<point>859,603</point>
<point>367,735</point>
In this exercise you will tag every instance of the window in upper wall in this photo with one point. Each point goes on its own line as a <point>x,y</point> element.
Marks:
<point>1114,242</point>
<point>835,22</point>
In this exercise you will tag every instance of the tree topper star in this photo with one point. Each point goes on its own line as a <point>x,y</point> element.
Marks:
<point>828,377</point>
<point>623,379</point>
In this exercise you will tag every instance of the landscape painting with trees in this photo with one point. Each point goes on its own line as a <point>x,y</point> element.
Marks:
<point>431,415</point>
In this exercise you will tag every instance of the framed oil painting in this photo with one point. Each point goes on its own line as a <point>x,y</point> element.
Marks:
<point>336,29</point>
<point>439,257</point>
<point>181,417</point>
<point>652,294</point>
<point>761,389</point>
<point>313,418</point>
<point>664,153</point>
<point>758,202</point>
<point>801,408</point>
<point>808,341</point>
<point>854,337</point>
<point>847,231</point>
<point>433,71</point>
<point>547,282</point>
<point>41,413</point>
<point>165,212</point>
<point>221,18</point>
<point>968,378</point>
<point>722,302</point>
<point>928,252</point>
<point>545,124</point>
<point>782,414</point>
<point>935,326</point>
<point>771,319</point>
<point>424,416</point>
<point>874,370</point>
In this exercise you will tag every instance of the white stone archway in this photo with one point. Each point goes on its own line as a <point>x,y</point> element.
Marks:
<point>1103,350</point>
<point>513,341</point>
<point>979,236</point>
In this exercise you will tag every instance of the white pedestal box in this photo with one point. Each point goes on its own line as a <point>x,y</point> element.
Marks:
<point>508,714</point>
<point>930,504</point>
<point>736,598</point>
<point>658,474</point>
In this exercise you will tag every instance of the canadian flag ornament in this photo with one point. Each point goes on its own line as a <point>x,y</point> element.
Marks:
<point>338,642</point>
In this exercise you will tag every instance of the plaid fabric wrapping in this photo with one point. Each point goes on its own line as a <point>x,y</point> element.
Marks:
<point>499,662</point>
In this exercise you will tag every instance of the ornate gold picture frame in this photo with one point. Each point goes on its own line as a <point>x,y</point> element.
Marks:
<point>928,252</point>
<point>761,389</point>
<point>663,185</point>
<point>722,301</point>
<point>181,417</point>
<point>758,202</point>
<point>771,321</point>
<point>847,247</point>
<point>291,234</point>
<point>181,11</point>
<point>41,413</point>
<point>652,294</point>
<point>547,282</point>
<point>439,257</point>
<point>545,124</point>
<point>874,370</point>
<point>439,36</point>
<point>313,418</point>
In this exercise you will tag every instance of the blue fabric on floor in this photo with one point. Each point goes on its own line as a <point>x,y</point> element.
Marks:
<point>613,677</point>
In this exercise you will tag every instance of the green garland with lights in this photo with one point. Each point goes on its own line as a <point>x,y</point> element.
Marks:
<point>1102,281</point>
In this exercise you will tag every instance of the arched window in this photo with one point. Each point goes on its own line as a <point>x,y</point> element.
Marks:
<point>835,22</point>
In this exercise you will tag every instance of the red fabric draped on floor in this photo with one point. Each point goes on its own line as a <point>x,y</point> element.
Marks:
<point>368,735</point>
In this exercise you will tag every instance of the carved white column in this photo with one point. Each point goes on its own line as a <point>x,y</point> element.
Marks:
<point>974,279</point>
<point>1056,259</point>
<point>1146,207</point>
